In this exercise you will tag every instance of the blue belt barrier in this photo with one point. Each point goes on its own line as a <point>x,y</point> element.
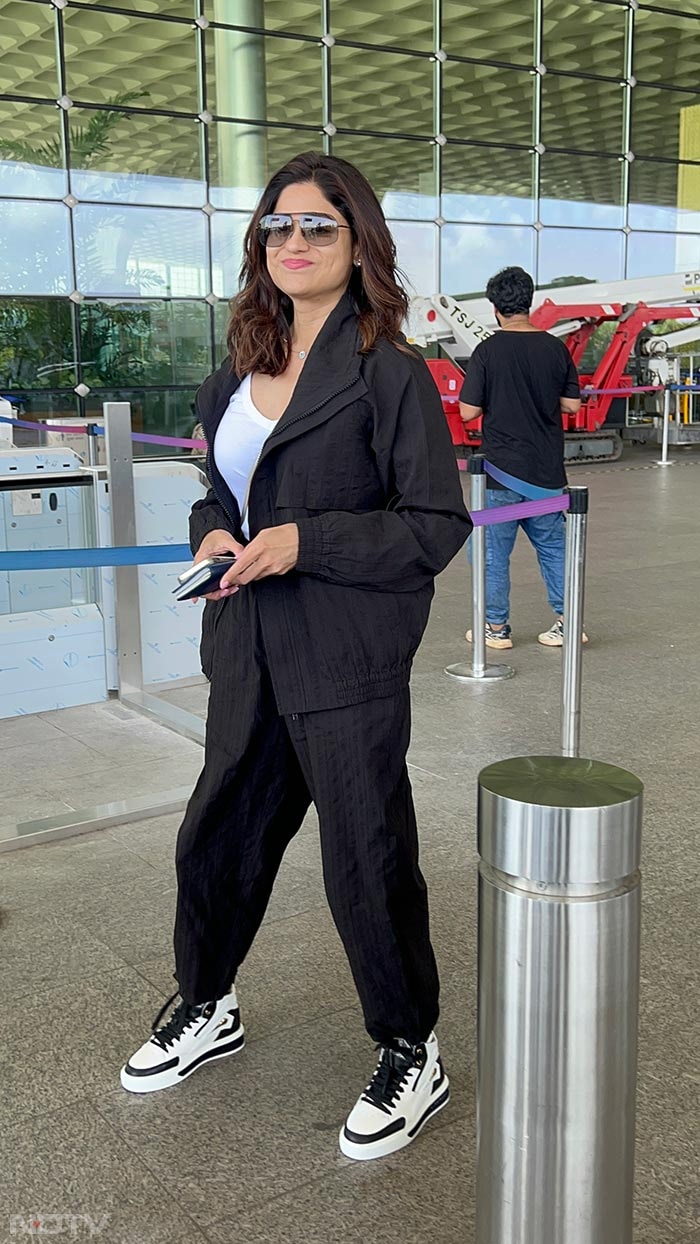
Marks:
<point>71,559</point>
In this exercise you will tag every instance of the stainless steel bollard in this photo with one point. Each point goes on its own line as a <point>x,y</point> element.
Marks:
<point>559,926</point>
<point>478,670</point>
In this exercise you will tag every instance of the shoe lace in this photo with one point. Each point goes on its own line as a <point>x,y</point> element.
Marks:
<point>183,1015</point>
<point>389,1079</point>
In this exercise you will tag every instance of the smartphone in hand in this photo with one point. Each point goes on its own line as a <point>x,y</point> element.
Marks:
<point>204,577</point>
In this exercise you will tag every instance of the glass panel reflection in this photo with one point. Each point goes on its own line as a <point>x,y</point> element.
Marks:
<point>135,343</point>
<point>28,64</point>
<point>301,18</point>
<point>257,78</point>
<point>665,47</point>
<point>503,30</point>
<point>400,88</point>
<point>36,343</point>
<point>582,113</point>
<point>487,183</point>
<point>665,196</point>
<point>402,173</point>
<point>112,58</point>
<point>581,190</point>
<point>35,251</point>
<point>473,253</point>
<point>227,233</point>
<point>417,251</point>
<point>408,25</point>
<point>487,103</point>
<point>572,256</point>
<point>31,151</point>
<point>655,254</point>
<point>162,412</point>
<point>141,250</point>
<point>584,36</point>
<point>135,158</point>
<point>238,150</point>
<point>665,123</point>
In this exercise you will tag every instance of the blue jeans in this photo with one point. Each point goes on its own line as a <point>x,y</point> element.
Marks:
<point>546,534</point>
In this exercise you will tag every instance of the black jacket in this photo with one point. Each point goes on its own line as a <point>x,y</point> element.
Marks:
<point>363,463</point>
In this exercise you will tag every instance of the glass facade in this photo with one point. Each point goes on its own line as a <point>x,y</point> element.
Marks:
<point>134,138</point>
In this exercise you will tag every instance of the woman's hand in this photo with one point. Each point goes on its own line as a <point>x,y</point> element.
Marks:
<point>216,543</point>
<point>273,551</point>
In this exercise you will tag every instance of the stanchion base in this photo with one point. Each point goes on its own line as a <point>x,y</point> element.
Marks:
<point>667,462</point>
<point>465,673</point>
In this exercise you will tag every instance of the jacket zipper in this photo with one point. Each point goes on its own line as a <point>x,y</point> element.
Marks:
<point>275,431</point>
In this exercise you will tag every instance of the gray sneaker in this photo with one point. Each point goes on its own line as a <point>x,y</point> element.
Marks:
<point>554,637</point>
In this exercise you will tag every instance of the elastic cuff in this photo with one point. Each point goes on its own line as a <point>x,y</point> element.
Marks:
<point>310,546</point>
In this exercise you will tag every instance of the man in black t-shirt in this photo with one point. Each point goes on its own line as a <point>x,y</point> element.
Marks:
<point>521,380</point>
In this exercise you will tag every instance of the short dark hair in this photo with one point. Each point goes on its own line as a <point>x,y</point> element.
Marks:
<point>511,291</point>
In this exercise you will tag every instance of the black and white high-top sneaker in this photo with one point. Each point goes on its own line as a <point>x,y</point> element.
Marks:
<point>407,1088</point>
<point>192,1036</point>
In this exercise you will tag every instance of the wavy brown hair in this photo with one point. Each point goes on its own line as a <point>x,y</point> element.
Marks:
<point>259,331</point>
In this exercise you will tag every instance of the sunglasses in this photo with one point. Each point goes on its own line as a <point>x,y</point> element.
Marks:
<point>277,228</point>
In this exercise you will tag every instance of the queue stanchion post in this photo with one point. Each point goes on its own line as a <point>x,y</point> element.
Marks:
<point>664,459</point>
<point>558,991</point>
<point>478,671</point>
<point>92,434</point>
<point>120,472</point>
<point>574,594</point>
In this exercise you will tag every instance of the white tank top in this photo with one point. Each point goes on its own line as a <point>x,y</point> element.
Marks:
<point>239,439</point>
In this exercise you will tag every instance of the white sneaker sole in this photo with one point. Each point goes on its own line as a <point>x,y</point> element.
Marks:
<point>491,643</point>
<point>153,1082</point>
<point>550,641</point>
<point>370,1149</point>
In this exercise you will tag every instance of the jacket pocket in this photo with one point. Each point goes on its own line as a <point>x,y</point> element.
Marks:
<point>210,620</point>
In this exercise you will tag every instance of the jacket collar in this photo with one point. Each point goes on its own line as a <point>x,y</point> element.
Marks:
<point>333,364</point>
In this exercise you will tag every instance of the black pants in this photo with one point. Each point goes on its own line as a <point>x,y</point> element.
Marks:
<point>261,772</point>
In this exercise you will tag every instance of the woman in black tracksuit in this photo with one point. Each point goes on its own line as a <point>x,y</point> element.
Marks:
<point>334,484</point>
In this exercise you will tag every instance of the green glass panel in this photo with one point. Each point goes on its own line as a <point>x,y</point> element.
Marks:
<point>665,196</point>
<point>585,36</point>
<point>487,183</point>
<point>582,113</point>
<point>160,412</point>
<point>303,17</point>
<point>487,103</point>
<point>502,30</point>
<point>221,319</point>
<point>581,190</point>
<point>401,23</point>
<point>255,151</point>
<point>28,57</point>
<point>136,158</point>
<point>665,123</point>
<point>398,89</point>
<point>31,151</point>
<point>170,8</point>
<point>572,256</point>
<point>113,58</point>
<point>656,254</point>
<point>36,344</point>
<point>402,172</point>
<point>145,342</point>
<point>35,250</point>
<point>263,79</point>
<point>122,251</point>
<point>666,47</point>
<point>473,253</point>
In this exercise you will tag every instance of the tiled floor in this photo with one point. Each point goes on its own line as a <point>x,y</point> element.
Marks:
<point>246,1150</point>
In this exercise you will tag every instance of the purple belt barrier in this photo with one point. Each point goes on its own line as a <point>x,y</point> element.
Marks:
<point>523,509</point>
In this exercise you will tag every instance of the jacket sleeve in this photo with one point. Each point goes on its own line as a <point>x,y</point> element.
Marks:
<point>403,547</point>
<point>205,516</point>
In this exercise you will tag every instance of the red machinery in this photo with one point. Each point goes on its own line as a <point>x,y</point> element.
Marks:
<point>594,431</point>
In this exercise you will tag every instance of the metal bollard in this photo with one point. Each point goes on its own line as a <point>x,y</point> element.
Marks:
<point>478,669</point>
<point>559,929</point>
<point>575,576</point>
<point>664,459</point>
